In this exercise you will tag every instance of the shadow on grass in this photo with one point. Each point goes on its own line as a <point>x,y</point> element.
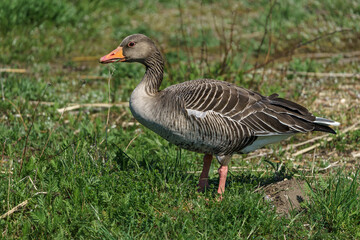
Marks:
<point>175,170</point>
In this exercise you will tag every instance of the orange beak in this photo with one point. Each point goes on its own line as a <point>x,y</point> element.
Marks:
<point>114,56</point>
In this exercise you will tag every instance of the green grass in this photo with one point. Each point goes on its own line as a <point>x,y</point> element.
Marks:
<point>86,179</point>
<point>335,203</point>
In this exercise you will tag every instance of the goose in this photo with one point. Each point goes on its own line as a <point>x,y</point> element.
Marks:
<point>208,116</point>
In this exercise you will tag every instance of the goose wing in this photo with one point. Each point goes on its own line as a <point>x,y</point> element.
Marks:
<point>258,115</point>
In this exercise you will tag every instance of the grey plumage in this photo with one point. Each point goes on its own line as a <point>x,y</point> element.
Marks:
<point>210,116</point>
<point>220,118</point>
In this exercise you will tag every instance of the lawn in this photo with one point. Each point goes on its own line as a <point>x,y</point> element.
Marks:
<point>75,164</point>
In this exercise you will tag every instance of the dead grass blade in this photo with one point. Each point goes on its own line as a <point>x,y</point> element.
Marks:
<point>355,154</point>
<point>330,166</point>
<point>132,141</point>
<point>330,75</point>
<point>17,207</point>
<point>13,70</point>
<point>14,209</point>
<point>99,105</point>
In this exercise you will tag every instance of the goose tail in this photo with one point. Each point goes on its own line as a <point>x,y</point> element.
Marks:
<point>323,125</point>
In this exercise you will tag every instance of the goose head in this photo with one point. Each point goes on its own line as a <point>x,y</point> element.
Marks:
<point>134,48</point>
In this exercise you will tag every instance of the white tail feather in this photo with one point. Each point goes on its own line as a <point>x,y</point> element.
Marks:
<point>326,122</point>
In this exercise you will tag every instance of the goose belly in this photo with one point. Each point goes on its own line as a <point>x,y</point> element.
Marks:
<point>184,133</point>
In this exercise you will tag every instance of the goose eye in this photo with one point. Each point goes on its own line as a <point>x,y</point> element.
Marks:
<point>131,44</point>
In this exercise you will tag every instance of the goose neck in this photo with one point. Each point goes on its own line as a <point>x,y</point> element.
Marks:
<point>154,73</point>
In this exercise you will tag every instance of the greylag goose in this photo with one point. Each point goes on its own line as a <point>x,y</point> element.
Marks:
<point>209,116</point>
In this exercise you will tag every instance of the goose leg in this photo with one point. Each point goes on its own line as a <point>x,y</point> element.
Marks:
<point>224,160</point>
<point>223,170</point>
<point>204,176</point>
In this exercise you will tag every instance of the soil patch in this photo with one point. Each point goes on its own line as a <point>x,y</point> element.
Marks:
<point>286,195</point>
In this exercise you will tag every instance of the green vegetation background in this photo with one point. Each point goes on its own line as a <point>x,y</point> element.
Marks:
<point>87,174</point>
